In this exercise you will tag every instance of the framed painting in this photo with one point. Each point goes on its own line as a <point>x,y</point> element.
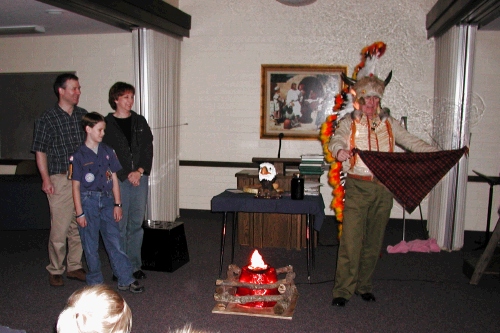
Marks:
<point>296,99</point>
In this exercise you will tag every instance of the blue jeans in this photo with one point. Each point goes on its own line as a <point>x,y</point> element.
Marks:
<point>98,208</point>
<point>134,200</point>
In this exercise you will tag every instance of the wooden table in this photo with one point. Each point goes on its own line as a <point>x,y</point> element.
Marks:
<point>312,207</point>
<point>259,229</point>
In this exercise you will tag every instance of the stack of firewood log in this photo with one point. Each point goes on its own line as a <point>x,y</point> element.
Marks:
<point>225,291</point>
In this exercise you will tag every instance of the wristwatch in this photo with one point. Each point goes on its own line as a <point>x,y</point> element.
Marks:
<point>141,173</point>
<point>118,205</point>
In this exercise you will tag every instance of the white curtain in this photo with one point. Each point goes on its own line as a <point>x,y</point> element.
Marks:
<point>157,63</point>
<point>452,95</point>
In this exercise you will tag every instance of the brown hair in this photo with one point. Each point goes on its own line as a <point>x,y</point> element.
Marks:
<point>91,119</point>
<point>60,82</point>
<point>118,89</point>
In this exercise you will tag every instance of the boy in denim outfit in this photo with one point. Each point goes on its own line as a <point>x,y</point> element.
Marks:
<point>96,195</point>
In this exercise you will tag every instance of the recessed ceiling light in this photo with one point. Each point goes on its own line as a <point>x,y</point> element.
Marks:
<point>296,2</point>
<point>54,11</point>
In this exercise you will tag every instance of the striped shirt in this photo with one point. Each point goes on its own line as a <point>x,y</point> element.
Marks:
<point>58,135</point>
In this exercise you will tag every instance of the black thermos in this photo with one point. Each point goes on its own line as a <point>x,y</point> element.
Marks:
<point>297,191</point>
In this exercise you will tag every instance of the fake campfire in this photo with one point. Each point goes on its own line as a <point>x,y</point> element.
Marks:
<point>255,290</point>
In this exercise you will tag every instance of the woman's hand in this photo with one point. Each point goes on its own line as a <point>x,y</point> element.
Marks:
<point>134,178</point>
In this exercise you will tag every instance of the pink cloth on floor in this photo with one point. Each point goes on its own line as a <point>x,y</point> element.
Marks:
<point>417,245</point>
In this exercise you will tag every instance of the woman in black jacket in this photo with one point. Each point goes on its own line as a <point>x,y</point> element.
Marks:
<point>129,134</point>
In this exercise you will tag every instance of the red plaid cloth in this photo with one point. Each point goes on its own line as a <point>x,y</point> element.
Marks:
<point>410,176</point>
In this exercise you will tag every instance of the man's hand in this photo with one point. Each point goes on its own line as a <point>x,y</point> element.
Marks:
<point>41,163</point>
<point>47,186</point>
<point>343,154</point>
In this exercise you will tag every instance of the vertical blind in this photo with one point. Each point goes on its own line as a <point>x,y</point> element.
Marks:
<point>157,63</point>
<point>452,94</point>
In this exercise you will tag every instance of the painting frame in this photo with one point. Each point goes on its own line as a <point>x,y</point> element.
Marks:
<point>295,99</point>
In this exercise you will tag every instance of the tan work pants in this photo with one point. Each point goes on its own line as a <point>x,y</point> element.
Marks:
<point>63,227</point>
<point>366,213</point>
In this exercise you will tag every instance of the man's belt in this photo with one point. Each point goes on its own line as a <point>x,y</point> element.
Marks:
<point>359,177</point>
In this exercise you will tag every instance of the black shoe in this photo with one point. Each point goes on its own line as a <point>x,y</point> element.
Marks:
<point>368,297</point>
<point>134,287</point>
<point>139,275</point>
<point>114,278</point>
<point>339,301</point>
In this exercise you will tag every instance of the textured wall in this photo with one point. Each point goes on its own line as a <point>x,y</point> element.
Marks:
<point>99,61</point>
<point>230,39</point>
<point>484,154</point>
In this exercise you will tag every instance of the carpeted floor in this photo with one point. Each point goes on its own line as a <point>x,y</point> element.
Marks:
<point>416,292</point>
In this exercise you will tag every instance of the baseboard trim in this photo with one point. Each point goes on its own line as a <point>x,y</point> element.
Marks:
<point>472,238</point>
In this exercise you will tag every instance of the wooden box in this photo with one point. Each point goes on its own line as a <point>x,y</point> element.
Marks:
<point>271,230</point>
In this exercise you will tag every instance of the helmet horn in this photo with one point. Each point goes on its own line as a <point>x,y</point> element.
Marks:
<point>349,81</point>
<point>388,79</point>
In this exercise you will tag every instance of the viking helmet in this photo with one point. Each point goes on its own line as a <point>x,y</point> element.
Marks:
<point>371,86</point>
<point>364,81</point>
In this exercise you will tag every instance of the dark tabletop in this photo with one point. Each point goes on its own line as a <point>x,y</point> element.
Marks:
<point>247,202</point>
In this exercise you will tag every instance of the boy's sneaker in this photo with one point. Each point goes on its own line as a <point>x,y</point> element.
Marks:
<point>134,287</point>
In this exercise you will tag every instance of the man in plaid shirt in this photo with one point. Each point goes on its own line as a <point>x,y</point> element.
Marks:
<point>58,134</point>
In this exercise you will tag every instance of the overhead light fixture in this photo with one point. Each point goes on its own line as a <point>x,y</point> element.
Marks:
<point>21,29</point>
<point>296,2</point>
<point>54,11</point>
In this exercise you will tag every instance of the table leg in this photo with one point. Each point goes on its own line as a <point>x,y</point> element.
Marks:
<point>488,220</point>
<point>312,244</point>
<point>233,236</point>
<point>222,242</point>
<point>308,246</point>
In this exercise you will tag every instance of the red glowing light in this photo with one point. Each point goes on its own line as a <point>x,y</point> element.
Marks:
<point>256,262</point>
<point>258,272</point>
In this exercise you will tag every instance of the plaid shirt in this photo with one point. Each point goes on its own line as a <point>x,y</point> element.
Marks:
<point>58,135</point>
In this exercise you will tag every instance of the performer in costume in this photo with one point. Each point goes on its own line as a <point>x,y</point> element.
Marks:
<point>368,203</point>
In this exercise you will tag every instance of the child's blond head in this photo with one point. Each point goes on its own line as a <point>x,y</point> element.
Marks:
<point>95,309</point>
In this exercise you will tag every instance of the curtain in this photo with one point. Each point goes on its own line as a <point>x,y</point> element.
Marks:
<point>157,76</point>
<point>450,128</point>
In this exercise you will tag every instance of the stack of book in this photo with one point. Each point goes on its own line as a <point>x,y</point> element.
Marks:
<point>311,187</point>
<point>311,164</point>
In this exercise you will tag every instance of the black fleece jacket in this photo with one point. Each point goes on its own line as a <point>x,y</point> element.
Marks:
<point>140,152</point>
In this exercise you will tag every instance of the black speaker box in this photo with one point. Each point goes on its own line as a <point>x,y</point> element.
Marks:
<point>164,247</point>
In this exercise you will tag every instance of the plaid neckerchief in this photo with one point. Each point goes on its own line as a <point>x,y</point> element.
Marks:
<point>410,176</point>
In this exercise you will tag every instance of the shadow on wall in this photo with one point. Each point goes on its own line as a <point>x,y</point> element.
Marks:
<point>23,205</point>
<point>27,167</point>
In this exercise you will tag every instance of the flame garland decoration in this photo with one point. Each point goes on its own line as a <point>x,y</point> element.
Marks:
<point>326,132</point>
<point>344,104</point>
